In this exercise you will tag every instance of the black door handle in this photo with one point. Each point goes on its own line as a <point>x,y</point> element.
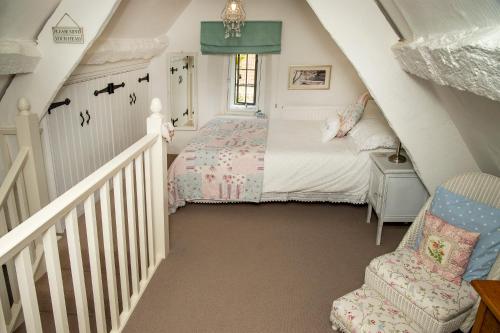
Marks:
<point>83,119</point>
<point>88,115</point>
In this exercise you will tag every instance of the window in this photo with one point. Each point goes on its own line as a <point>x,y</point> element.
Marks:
<point>244,81</point>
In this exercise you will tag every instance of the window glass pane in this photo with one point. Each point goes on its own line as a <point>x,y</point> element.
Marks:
<point>250,95</point>
<point>242,61</point>
<point>251,61</point>
<point>251,77</point>
<point>245,80</point>
<point>241,95</point>
<point>242,77</point>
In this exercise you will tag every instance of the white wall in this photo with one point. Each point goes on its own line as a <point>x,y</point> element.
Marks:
<point>410,105</point>
<point>304,41</point>
<point>478,120</point>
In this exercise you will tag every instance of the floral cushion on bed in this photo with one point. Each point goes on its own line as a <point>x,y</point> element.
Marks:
<point>402,271</point>
<point>446,249</point>
<point>364,310</point>
<point>349,117</point>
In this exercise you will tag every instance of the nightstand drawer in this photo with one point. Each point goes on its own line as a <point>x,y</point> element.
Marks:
<point>404,196</point>
<point>376,188</point>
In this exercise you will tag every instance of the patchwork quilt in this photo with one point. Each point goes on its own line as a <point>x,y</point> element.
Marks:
<point>224,163</point>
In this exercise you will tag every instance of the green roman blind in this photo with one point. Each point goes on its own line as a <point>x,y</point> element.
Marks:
<point>256,37</point>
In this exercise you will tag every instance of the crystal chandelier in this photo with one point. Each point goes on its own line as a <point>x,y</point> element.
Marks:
<point>233,17</point>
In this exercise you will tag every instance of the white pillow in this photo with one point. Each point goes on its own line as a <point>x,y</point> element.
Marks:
<point>329,128</point>
<point>373,132</point>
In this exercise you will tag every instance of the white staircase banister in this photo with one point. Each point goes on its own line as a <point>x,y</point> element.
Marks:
<point>31,229</point>
<point>144,166</point>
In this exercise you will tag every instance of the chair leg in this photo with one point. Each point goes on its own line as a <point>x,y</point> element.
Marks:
<point>379,230</point>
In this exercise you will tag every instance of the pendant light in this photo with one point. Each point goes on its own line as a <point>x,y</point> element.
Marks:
<point>233,16</point>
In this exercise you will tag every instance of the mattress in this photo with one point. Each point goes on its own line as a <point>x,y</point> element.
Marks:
<point>298,166</point>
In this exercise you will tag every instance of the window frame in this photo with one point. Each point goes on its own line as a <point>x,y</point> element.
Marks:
<point>239,108</point>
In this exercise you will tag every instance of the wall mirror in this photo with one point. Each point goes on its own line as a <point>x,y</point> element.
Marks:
<point>182,90</point>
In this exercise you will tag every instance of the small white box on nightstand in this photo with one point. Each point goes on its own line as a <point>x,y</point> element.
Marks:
<point>396,193</point>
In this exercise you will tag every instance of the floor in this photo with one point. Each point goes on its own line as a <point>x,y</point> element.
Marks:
<point>259,268</point>
<point>272,267</point>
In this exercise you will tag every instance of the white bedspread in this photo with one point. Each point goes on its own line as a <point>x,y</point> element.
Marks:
<point>297,161</point>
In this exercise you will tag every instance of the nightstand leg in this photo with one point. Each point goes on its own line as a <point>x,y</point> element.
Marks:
<point>379,230</point>
<point>369,215</point>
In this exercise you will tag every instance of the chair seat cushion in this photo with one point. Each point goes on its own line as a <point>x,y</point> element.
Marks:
<point>427,292</point>
<point>366,311</point>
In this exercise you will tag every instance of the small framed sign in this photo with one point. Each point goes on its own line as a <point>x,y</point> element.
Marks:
<point>67,34</point>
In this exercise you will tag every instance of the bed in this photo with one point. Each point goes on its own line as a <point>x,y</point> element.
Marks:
<point>257,160</point>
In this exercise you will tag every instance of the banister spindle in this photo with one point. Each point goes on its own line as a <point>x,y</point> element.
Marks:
<point>4,296</point>
<point>3,322</point>
<point>141,215</point>
<point>5,311</point>
<point>10,221</point>
<point>54,276</point>
<point>149,209</point>
<point>109,255</point>
<point>27,291</point>
<point>11,211</point>
<point>132,234</point>
<point>21,198</point>
<point>95,263</point>
<point>121,239</point>
<point>75,258</point>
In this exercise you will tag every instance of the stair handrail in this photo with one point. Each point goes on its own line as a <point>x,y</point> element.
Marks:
<point>147,157</point>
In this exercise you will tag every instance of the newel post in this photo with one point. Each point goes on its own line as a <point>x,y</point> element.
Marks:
<point>28,135</point>
<point>159,181</point>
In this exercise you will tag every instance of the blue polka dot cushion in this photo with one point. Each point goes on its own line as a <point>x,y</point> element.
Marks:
<point>473,216</point>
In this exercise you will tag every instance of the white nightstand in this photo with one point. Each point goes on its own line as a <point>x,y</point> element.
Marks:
<point>396,193</point>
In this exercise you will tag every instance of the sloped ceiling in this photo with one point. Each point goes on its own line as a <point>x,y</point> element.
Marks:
<point>143,18</point>
<point>137,30</point>
<point>476,117</point>
<point>23,19</point>
<point>433,17</point>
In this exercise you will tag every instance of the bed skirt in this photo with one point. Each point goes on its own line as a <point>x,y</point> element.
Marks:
<point>314,197</point>
<point>355,199</point>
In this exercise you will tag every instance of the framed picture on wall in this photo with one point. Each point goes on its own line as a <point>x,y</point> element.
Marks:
<point>309,77</point>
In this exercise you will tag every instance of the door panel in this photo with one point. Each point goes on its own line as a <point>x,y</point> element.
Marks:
<point>112,124</point>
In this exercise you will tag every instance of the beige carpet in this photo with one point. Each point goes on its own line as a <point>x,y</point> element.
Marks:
<point>259,268</point>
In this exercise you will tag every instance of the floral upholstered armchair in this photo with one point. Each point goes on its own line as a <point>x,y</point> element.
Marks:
<point>402,295</point>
